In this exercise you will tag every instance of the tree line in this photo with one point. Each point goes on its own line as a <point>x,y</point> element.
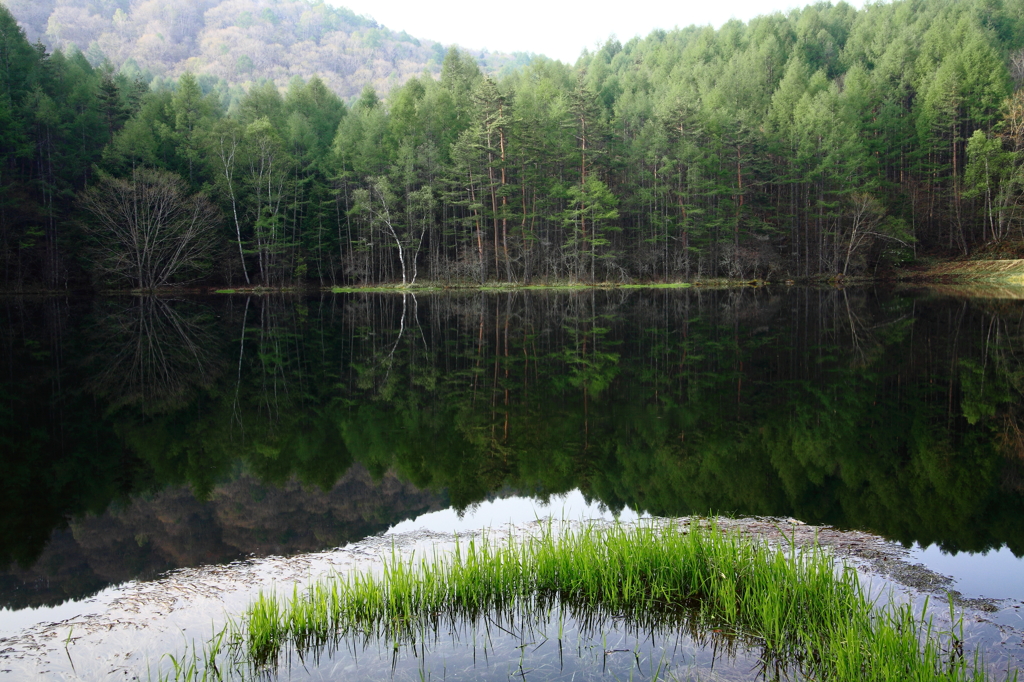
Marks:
<point>826,141</point>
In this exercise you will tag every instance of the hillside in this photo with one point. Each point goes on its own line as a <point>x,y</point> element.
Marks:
<point>239,41</point>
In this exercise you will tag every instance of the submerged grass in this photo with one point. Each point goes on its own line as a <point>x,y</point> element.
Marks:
<point>807,614</point>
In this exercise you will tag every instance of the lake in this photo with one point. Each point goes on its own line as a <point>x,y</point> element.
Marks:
<point>143,435</point>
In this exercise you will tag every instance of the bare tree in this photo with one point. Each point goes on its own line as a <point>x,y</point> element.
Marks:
<point>148,229</point>
<point>376,202</point>
<point>227,139</point>
<point>1017,67</point>
<point>268,171</point>
<point>866,222</point>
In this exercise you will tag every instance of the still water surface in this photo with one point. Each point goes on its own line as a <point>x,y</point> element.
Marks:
<point>141,435</point>
<point>525,642</point>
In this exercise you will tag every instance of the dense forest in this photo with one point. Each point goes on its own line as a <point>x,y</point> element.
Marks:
<point>827,141</point>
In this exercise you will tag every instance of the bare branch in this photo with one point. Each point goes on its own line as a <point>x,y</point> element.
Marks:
<point>148,229</point>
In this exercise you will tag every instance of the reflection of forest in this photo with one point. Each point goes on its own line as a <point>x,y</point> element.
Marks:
<point>897,414</point>
<point>243,517</point>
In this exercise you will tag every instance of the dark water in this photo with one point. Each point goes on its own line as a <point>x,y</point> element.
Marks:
<point>139,435</point>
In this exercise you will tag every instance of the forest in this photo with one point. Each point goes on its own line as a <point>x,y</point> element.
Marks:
<point>828,141</point>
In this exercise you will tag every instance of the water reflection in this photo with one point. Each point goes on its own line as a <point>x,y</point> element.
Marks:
<point>572,506</point>
<point>996,574</point>
<point>549,643</point>
<point>153,352</point>
<point>243,517</point>
<point>895,413</point>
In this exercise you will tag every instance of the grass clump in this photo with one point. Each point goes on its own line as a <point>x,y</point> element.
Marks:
<point>807,613</point>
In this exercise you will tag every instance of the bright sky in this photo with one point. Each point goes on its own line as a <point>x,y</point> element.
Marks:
<point>555,28</point>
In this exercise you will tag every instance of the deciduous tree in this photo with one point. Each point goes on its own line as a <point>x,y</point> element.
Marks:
<point>148,229</point>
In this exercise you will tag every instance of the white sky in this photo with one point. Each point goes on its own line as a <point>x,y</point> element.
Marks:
<point>555,28</point>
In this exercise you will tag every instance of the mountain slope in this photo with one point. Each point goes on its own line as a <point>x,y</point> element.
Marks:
<point>239,41</point>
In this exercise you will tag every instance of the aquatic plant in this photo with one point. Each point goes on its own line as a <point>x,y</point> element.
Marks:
<point>805,614</point>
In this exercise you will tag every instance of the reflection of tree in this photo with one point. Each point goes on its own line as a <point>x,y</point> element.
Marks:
<point>58,453</point>
<point>833,406</point>
<point>393,346</point>
<point>992,389</point>
<point>819,404</point>
<point>864,339</point>
<point>153,353</point>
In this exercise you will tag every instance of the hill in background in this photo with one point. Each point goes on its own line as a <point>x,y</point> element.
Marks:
<point>240,41</point>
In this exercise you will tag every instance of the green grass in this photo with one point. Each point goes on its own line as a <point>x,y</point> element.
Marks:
<point>805,611</point>
<point>660,285</point>
<point>503,286</point>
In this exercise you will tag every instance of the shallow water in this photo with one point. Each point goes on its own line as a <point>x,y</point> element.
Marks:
<point>542,645</point>
<point>141,622</point>
<point>13,621</point>
<point>493,514</point>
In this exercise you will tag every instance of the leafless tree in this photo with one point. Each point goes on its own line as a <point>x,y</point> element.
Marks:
<point>865,223</point>
<point>376,202</point>
<point>148,229</point>
<point>227,141</point>
<point>1017,67</point>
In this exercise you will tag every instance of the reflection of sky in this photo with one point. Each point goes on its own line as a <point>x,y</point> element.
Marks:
<point>996,574</point>
<point>14,621</point>
<point>568,507</point>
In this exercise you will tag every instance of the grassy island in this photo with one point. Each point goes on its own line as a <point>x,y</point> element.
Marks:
<point>800,610</point>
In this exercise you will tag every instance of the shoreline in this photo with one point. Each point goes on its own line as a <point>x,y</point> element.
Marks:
<point>999,273</point>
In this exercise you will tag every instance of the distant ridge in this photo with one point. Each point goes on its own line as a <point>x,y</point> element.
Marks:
<point>237,42</point>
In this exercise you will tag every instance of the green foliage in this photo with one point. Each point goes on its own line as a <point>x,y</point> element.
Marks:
<point>828,141</point>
